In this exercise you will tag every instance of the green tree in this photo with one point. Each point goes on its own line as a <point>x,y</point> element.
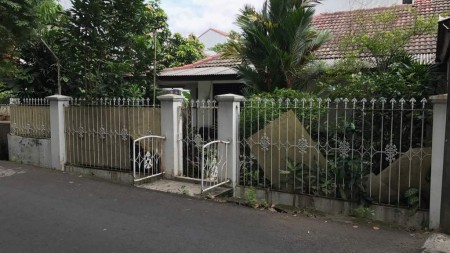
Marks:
<point>276,43</point>
<point>220,47</point>
<point>18,21</point>
<point>179,51</point>
<point>107,46</point>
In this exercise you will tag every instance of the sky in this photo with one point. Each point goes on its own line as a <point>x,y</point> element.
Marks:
<point>197,16</point>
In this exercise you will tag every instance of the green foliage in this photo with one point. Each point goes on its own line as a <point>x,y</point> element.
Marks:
<point>403,78</point>
<point>383,45</point>
<point>18,23</point>
<point>183,190</point>
<point>262,108</point>
<point>302,178</point>
<point>105,48</point>
<point>107,45</point>
<point>341,178</point>
<point>221,47</point>
<point>250,197</point>
<point>363,212</point>
<point>412,199</point>
<point>377,64</point>
<point>275,43</point>
<point>180,51</point>
<point>252,201</point>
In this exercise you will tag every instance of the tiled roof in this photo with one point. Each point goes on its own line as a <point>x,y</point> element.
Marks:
<point>212,66</point>
<point>341,24</point>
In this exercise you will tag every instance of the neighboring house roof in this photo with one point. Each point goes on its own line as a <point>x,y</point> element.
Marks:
<point>214,30</point>
<point>209,68</point>
<point>212,37</point>
<point>341,24</point>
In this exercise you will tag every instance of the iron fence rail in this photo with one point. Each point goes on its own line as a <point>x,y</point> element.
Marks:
<point>374,150</point>
<point>100,132</point>
<point>30,117</point>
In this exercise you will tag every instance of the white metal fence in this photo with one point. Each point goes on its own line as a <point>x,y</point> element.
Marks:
<point>30,117</point>
<point>100,133</point>
<point>199,128</point>
<point>374,150</point>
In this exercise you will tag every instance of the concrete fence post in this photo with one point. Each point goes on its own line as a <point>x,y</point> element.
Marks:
<point>171,128</point>
<point>57,135</point>
<point>228,130</point>
<point>437,158</point>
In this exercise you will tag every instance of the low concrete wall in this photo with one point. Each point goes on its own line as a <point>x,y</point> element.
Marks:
<point>29,151</point>
<point>389,214</point>
<point>114,176</point>
<point>4,131</point>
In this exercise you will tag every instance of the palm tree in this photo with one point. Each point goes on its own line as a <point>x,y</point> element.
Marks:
<point>275,43</point>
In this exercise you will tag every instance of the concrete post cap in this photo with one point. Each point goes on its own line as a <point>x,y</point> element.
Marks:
<point>170,97</point>
<point>58,98</point>
<point>441,98</point>
<point>229,98</point>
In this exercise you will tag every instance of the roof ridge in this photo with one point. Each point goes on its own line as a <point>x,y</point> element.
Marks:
<point>199,62</point>
<point>395,6</point>
<point>214,30</point>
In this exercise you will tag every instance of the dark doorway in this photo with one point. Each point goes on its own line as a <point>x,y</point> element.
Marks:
<point>225,88</point>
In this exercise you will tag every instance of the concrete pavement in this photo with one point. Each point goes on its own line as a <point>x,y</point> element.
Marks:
<point>49,211</point>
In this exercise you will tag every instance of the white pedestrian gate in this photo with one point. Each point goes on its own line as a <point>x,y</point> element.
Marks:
<point>147,157</point>
<point>214,167</point>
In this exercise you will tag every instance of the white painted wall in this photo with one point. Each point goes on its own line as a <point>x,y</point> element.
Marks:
<point>210,39</point>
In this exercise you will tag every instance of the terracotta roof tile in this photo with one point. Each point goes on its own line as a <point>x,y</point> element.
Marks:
<point>341,24</point>
<point>213,65</point>
<point>211,61</point>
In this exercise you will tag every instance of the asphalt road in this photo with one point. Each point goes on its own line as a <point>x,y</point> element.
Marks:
<point>48,211</point>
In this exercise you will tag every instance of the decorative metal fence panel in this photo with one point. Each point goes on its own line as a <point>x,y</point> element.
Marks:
<point>30,117</point>
<point>100,132</point>
<point>199,128</point>
<point>375,150</point>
